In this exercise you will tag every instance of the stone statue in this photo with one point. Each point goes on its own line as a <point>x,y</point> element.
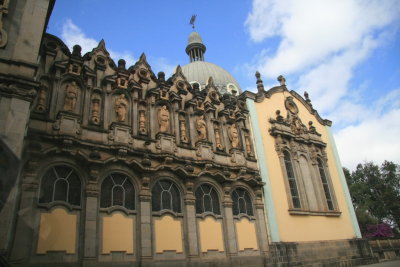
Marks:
<point>121,107</point>
<point>41,103</point>
<point>71,95</point>
<point>218,142</point>
<point>95,117</point>
<point>248,145</point>
<point>182,129</point>
<point>163,119</point>
<point>233,136</point>
<point>201,128</point>
<point>142,122</point>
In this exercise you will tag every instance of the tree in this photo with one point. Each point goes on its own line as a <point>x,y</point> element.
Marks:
<point>375,193</point>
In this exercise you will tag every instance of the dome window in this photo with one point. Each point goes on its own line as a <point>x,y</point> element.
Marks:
<point>232,88</point>
<point>195,85</point>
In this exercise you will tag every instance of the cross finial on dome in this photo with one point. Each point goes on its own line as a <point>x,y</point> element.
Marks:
<point>192,20</point>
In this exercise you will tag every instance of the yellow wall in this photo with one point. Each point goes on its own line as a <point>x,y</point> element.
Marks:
<point>210,231</point>
<point>168,234</point>
<point>57,232</point>
<point>118,233</point>
<point>297,227</point>
<point>246,234</point>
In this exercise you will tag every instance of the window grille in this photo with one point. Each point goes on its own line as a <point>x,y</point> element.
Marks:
<point>166,196</point>
<point>241,202</point>
<point>207,199</point>
<point>117,190</point>
<point>292,180</point>
<point>325,185</point>
<point>61,183</point>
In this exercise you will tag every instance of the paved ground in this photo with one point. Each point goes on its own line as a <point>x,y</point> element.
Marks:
<point>395,263</point>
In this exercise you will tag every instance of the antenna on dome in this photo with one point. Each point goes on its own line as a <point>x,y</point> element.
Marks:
<point>192,20</point>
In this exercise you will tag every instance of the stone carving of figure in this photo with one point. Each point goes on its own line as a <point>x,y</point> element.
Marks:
<point>163,119</point>
<point>142,122</point>
<point>71,95</point>
<point>41,103</point>
<point>201,128</point>
<point>182,129</point>
<point>95,117</point>
<point>121,107</point>
<point>218,142</point>
<point>233,136</point>
<point>248,145</point>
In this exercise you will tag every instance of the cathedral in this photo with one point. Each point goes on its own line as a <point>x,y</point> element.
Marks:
<point>104,164</point>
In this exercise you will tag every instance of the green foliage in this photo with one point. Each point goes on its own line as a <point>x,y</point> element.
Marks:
<point>375,192</point>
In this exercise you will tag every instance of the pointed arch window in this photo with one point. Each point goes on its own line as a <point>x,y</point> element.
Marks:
<point>61,183</point>
<point>117,190</point>
<point>166,196</point>
<point>291,179</point>
<point>241,202</point>
<point>325,184</point>
<point>207,199</point>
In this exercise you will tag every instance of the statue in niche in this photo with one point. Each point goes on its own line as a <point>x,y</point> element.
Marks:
<point>218,142</point>
<point>142,122</point>
<point>42,97</point>
<point>163,119</point>
<point>248,145</point>
<point>95,116</point>
<point>121,107</point>
<point>233,136</point>
<point>182,129</point>
<point>71,96</point>
<point>201,128</point>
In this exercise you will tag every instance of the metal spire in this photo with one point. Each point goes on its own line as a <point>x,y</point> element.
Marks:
<point>192,20</point>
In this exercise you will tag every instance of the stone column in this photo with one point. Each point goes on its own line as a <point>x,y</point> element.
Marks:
<point>27,217</point>
<point>145,220</point>
<point>193,249</point>
<point>91,217</point>
<point>230,235</point>
<point>261,224</point>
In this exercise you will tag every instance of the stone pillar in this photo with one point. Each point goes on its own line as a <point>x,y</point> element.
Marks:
<point>145,220</point>
<point>193,249</point>
<point>262,232</point>
<point>27,217</point>
<point>230,236</point>
<point>91,218</point>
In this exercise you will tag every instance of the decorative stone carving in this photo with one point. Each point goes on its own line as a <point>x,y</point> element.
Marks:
<point>3,12</point>
<point>121,107</point>
<point>233,136</point>
<point>201,128</point>
<point>218,141</point>
<point>42,99</point>
<point>163,119</point>
<point>281,80</point>
<point>182,130</point>
<point>142,122</point>
<point>249,150</point>
<point>95,114</point>
<point>71,96</point>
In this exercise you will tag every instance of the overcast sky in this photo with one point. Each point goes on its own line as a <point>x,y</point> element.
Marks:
<point>344,53</point>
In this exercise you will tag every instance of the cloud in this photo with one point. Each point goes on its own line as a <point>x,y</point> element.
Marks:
<point>375,137</point>
<point>312,30</point>
<point>72,35</point>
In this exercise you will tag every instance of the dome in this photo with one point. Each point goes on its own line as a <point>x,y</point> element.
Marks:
<point>201,71</point>
<point>194,38</point>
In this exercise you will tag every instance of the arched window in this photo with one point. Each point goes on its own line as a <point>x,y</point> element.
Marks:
<point>207,199</point>
<point>241,202</point>
<point>61,183</point>
<point>292,180</point>
<point>166,196</point>
<point>117,190</point>
<point>325,185</point>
